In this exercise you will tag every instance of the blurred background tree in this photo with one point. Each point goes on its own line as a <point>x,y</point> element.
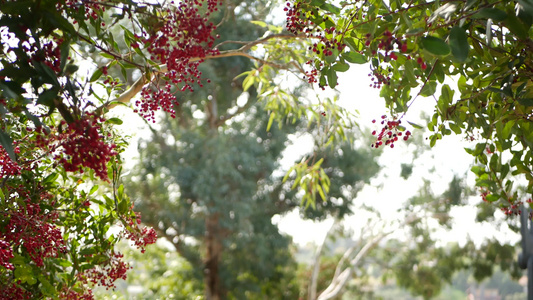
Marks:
<point>209,181</point>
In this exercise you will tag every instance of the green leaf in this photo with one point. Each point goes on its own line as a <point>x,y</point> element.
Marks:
<point>331,8</point>
<point>490,13</point>
<point>478,170</point>
<point>123,206</point>
<point>341,67</point>
<point>455,128</point>
<point>7,143</point>
<point>415,125</point>
<point>492,198</point>
<point>439,72</point>
<point>321,192</point>
<point>428,89</point>
<point>270,120</point>
<point>435,46</point>
<point>507,129</point>
<point>526,101</point>
<point>115,121</point>
<point>332,78</point>
<point>96,75</point>
<point>47,97</point>
<point>459,43</point>
<point>259,23</point>
<point>107,55</point>
<point>120,192</point>
<point>516,27</point>
<point>88,251</point>
<point>51,178</point>
<point>25,274</point>
<point>47,288</point>
<point>248,82</point>
<point>354,57</point>
<point>93,189</point>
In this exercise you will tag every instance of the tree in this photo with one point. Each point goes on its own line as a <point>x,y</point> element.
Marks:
<point>56,143</point>
<point>214,183</point>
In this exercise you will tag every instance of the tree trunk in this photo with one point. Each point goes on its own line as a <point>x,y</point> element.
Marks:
<point>213,288</point>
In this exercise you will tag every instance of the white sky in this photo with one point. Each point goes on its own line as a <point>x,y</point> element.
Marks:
<point>448,157</point>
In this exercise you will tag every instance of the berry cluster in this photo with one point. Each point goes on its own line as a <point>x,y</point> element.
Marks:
<point>328,39</point>
<point>91,9</point>
<point>385,45</point>
<point>7,166</point>
<point>181,42</point>
<point>379,77</point>
<point>139,236</point>
<point>6,253</point>
<point>389,134</point>
<point>84,146</point>
<point>70,294</point>
<point>49,54</point>
<point>512,209</point>
<point>421,62</point>
<point>106,274</point>
<point>13,291</point>
<point>33,229</point>
<point>297,22</point>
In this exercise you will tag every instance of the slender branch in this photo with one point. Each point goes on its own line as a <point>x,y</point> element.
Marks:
<point>138,85</point>
<point>338,283</point>
<point>316,264</point>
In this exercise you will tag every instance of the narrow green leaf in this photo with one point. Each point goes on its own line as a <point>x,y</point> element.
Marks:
<point>259,23</point>
<point>115,121</point>
<point>492,198</point>
<point>526,101</point>
<point>120,192</point>
<point>435,46</point>
<point>93,189</point>
<point>51,178</point>
<point>490,13</point>
<point>331,8</point>
<point>107,55</point>
<point>96,75</point>
<point>321,192</point>
<point>270,120</point>
<point>415,125</point>
<point>248,82</point>
<point>459,43</point>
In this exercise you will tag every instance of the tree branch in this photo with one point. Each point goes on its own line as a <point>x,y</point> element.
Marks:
<point>316,264</point>
<point>338,283</point>
<point>242,51</point>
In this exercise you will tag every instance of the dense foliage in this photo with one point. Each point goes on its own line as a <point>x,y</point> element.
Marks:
<point>417,48</point>
<point>60,156</point>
